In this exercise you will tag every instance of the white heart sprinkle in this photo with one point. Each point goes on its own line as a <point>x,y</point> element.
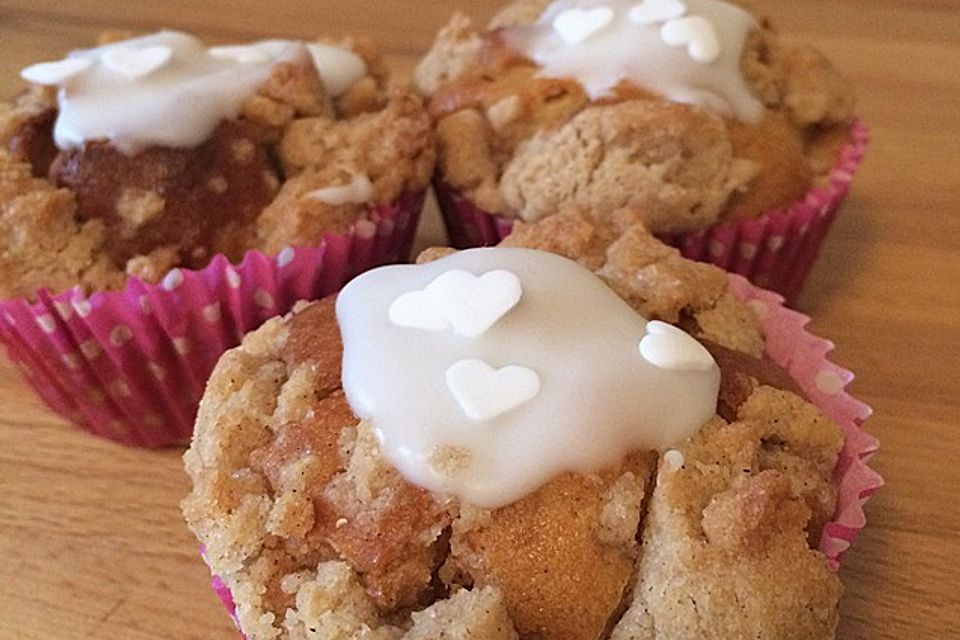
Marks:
<point>52,73</point>
<point>137,63</point>
<point>668,347</point>
<point>576,25</point>
<point>358,191</point>
<point>485,393</point>
<point>459,299</point>
<point>697,34</point>
<point>417,310</point>
<point>656,11</point>
<point>339,68</point>
<point>244,54</point>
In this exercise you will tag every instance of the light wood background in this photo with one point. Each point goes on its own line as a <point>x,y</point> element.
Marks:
<point>91,540</point>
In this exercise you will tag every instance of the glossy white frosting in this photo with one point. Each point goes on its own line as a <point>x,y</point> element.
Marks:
<point>552,377</point>
<point>688,51</point>
<point>168,89</point>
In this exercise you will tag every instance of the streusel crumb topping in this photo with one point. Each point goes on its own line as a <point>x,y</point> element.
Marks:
<point>93,215</point>
<point>317,536</point>
<point>523,144</point>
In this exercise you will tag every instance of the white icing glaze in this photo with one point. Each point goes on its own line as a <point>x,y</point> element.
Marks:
<point>688,51</point>
<point>656,11</point>
<point>167,89</point>
<point>357,191</point>
<point>668,347</point>
<point>556,383</point>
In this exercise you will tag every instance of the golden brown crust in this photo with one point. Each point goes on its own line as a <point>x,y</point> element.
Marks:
<point>525,150</point>
<point>546,550</point>
<point>116,215</point>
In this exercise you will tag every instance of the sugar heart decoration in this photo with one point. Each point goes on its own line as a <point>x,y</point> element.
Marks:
<point>668,347</point>
<point>53,73</point>
<point>458,299</point>
<point>417,310</point>
<point>576,25</point>
<point>697,34</point>
<point>485,393</point>
<point>134,63</point>
<point>244,54</point>
<point>656,11</point>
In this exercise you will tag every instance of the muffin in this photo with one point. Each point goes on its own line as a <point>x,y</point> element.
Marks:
<point>437,453</point>
<point>726,141</point>
<point>160,198</point>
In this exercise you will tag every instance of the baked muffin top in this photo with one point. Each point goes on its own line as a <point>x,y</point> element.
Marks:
<point>318,534</point>
<point>150,153</point>
<point>694,111</point>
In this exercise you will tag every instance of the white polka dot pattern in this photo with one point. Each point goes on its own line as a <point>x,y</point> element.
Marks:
<point>829,382</point>
<point>131,365</point>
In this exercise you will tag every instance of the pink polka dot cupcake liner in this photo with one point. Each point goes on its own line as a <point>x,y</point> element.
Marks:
<point>805,357</point>
<point>132,365</point>
<point>775,250</point>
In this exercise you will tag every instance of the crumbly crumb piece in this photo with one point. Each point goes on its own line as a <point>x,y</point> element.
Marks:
<point>725,546</point>
<point>652,277</point>
<point>669,161</point>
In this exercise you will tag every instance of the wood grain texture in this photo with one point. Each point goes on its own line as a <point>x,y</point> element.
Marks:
<point>90,533</point>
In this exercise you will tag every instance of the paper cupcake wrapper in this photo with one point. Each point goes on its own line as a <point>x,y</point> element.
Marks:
<point>132,365</point>
<point>804,356</point>
<point>775,250</point>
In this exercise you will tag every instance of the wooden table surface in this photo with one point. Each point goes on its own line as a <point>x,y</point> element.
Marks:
<point>91,539</point>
